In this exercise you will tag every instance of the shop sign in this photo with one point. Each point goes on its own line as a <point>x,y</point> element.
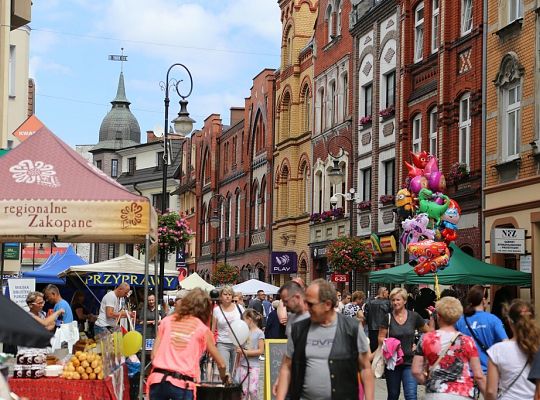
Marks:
<point>319,252</point>
<point>11,251</point>
<point>19,289</point>
<point>284,262</point>
<point>339,278</point>
<point>509,241</point>
<point>525,263</point>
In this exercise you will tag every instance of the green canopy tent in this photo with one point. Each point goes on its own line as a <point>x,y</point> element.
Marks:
<point>463,269</point>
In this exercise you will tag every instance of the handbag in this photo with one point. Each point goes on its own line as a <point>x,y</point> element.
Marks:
<point>501,393</point>
<point>379,363</point>
<point>443,353</point>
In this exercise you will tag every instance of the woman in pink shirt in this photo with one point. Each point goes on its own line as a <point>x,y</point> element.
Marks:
<point>182,339</point>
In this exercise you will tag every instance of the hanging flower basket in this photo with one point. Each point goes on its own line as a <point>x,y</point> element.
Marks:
<point>386,199</point>
<point>458,172</point>
<point>349,254</point>
<point>366,120</point>
<point>338,212</point>
<point>364,205</point>
<point>225,274</point>
<point>387,112</point>
<point>173,232</point>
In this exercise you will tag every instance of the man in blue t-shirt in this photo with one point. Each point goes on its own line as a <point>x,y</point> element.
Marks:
<point>52,295</point>
<point>485,328</point>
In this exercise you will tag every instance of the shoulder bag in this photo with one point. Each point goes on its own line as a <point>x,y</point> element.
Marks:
<point>443,353</point>
<point>501,393</point>
<point>482,345</point>
<point>379,363</point>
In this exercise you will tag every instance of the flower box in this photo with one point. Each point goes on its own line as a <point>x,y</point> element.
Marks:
<point>386,199</point>
<point>366,120</point>
<point>458,172</point>
<point>388,112</point>
<point>364,205</point>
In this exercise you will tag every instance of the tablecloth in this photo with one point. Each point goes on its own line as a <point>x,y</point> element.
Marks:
<point>64,389</point>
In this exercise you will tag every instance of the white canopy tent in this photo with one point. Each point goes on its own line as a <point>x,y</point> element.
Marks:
<point>195,281</point>
<point>125,264</point>
<point>253,285</point>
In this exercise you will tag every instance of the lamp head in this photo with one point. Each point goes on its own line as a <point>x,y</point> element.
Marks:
<point>215,220</point>
<point>335,175</point>
<point>183,124</point>
<point>333,201</point>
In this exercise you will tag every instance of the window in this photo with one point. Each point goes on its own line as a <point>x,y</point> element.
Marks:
<point>433,131</point>
<point>515,10</point>
<point>322,109</point>
<point>237,217</point>
<point>338,19</point>
<point>111,251</point>
<point>130,249</point>
<point>159,160</point>
<point>156,201</point>
<point>417,134</point>
<point>434,26</point>
<point>114,168</point>
<point>12,70</point>
<point>256,208</point>
<point>330,23</point>
<point>366,184</point>
<point>307,109</point>
<point>332,109</point>
<point>390,81</point>
<point>345,86</point>
<point>389,168</point>
<point>98,164</point>
<point>234,141</point>
<point>229,215</point>
<point>132,165</point>
<point>512,103</point>
<point>466,16</point>
<point>419,32</point>
<point>465,129</point>
<point>368,107</point>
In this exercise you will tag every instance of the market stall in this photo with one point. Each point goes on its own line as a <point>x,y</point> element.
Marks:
<point>48,272</point>
<point>52,194</point>
<point>253,286</point>
<point>462,269</point>
<point>195,281</point>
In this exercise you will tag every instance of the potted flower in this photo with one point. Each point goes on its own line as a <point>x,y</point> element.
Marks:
<point>366,120</point>
<point>364,205</point>
<point>315,217</point>
<point>458,172</point>
<point>326,215</point>
<point>338,212</point>
<point>225,274</point>
<point>387,112</point>
<point>173,232</point>
<point>386,199</point>
<point>349,254</point>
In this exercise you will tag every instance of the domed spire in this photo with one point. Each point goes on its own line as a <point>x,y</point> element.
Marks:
<point>119,128</point>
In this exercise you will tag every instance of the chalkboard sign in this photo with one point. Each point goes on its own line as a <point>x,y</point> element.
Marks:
<point>274,350</point>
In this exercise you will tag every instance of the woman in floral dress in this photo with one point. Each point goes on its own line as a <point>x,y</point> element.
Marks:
<point>444,358</point>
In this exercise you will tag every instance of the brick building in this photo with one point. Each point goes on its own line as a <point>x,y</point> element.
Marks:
<point>234,178</point>
<point>512,184</point>
<point>331,136</point>
<point>292,150</point>
<point>375,29</point>
<point>440,99</point>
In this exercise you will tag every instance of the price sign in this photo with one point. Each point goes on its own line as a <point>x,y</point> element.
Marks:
<point>339,277</point>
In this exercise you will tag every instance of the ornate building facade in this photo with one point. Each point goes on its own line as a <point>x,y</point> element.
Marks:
<point>292,150</point>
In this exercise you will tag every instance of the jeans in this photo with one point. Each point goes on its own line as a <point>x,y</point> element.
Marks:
<point>167,391</point>
<point>99,330</point>
<point>228,352</point>
<point>394,379</point>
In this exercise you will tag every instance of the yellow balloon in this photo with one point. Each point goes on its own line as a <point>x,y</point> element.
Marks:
<point>132,343</point>
<point>117,342</point>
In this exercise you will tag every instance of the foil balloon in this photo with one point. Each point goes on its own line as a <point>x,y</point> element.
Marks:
<point>415,229</point>
<point>420,159</point>
<point>414,170</point>
<point>450,218</point>
<point>431,256</point>
<point>437,181</point>
<point>418,183</point>
<point>241,330</point>
<point>433,210</point>
<point>404,204</point>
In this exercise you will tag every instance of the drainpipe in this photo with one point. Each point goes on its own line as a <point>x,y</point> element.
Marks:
<point>484,121</point>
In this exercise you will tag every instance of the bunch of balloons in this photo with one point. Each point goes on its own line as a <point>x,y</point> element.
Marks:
<point>429,217</point>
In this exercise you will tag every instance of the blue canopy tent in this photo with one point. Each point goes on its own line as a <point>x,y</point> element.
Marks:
<point>48,272</point>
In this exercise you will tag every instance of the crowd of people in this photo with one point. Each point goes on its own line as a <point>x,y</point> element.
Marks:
<point>454,347</point>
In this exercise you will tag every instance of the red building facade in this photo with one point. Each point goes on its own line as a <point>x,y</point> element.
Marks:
<point>439,87</point>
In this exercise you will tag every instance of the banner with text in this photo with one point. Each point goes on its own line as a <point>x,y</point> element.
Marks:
<point>111,279</point>
<point>19,289</point>
<point>284,262</point>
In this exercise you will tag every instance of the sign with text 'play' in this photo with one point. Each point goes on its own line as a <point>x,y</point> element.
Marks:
<point>284,262</point>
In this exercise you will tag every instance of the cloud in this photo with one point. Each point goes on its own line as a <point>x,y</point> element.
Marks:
<point>39,64</point>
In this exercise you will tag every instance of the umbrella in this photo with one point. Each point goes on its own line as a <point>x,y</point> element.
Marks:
<point>253,285</point>
<point>18,328</point>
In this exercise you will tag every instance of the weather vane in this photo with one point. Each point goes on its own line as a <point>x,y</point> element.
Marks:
<point>121,58</point>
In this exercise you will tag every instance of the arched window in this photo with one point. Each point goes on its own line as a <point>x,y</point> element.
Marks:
<point>318,190</point>
<point>330,28</point>
<point>322,110</point>
<point>256,210</point>
<point>419,32</point>
<point>285,118</point>
<point>229,216</point>
<point>306,108</point>
<point>344,96</point>
<point>205,223</point>
<point>206,168</point>
<point>433,132</point>
<point>262,195</point>
<point>417,133</point>
<point>237,215</point>
<point>339,8</point>
<point>284,186</point>
<point>332,109</point>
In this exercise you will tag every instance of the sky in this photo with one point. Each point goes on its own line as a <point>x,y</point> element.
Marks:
<point>223,43</point>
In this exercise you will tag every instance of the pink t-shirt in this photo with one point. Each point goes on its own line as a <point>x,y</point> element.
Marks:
<point>182,343</point>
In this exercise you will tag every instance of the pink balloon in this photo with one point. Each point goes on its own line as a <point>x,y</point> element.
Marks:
<point>431,167</point>
<point>417,183</point>
<point>437,181</point>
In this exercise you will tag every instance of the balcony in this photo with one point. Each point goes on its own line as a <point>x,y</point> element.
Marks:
<point>258,237</point>
<point>206,249</point>
<point>330,230</point>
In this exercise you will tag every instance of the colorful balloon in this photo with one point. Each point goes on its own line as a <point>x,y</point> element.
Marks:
<point>418,183</point>
<point>415,229</point>
<point>414,170</point>
<point>433,210</point>
<point>404,204</point>
<point>420,159</point>
<point>431,256</point>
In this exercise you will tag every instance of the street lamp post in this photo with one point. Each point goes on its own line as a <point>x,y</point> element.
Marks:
<point>336,175</point>
<point>215,219</point>
<point>183,125</point>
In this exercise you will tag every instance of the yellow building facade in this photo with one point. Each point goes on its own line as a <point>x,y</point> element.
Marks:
<point>512,153</point>
<point>292,137</point>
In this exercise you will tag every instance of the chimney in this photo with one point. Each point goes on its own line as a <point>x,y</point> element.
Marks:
<point>237,114</point>
<point>150,137</point>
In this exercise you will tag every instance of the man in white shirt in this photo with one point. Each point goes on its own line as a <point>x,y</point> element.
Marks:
<point>111,309</point>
